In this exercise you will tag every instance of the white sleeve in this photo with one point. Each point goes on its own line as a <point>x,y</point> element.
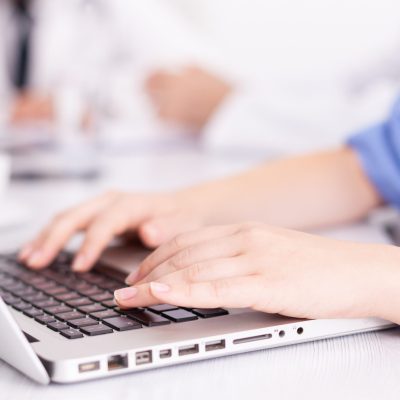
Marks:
<point>157,35</point>
<point>291,121</point>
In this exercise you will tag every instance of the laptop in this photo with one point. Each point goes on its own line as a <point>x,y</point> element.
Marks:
<point>58,326</point>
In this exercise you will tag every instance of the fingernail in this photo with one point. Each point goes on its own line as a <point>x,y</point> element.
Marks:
<point>125,294</point>
<point>25,252</point>
<point>159,287</point>
<point>35,258</point>
<point>132,277</point>
<point>79,263</point>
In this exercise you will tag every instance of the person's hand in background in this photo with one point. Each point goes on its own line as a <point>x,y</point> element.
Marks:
<point>269,269</point>
<point>28,108</point>
<point>187,98</point>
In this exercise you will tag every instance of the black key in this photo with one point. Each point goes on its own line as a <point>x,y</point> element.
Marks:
<point>111,285</point>
<point>82,285</point>
<point>57,326</point>
<point>128,312</point>
<point>122,323</point>
<point>94,278</point>
<point>38,296</point>
<point>80,301</point>
<point>82,322</point>
<point>23,274</point>
<point>50,274</point>
<point>90,291</point>
<point>37,279</point>
<point>109,303</point>
<point>104,314</point>
<point>149,319</point>
<point>45,319</point>
<point>68,316</point>
<point>33,312</point>
<point>55,290</point>
<point>9,299</point>
<point>92,308</point>
<point>209,312</point>
<point>95,330</point>
<point>7,282</point>
<point>58,309</point>
<point>72,283</point>
<point>21,306</point>
<point>162,307</point>
<point>179,315</point>
<point>102,296</point>
<point>46,303</point>
<point>14,287</point>
<point>44,285</point>
<point>71,333</point>
<point>67,296</point>
<point>64,258</point>
<point>24,291</point>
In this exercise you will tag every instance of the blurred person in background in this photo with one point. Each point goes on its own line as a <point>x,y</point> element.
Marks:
<point>295,76</point>
<point>35,45</point>
<point>260,76</point>
<point>97,50</point>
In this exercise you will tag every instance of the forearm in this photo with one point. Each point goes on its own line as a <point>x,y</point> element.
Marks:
<point>303,192</point>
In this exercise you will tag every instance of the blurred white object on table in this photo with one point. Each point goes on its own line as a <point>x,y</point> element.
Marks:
<point>11,212</point>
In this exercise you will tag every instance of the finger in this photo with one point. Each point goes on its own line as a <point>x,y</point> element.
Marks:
<point>181,241</point>
<point>137,296</point>
<point>158,230</point>
<point>103,229</point>
<point>53,238</point>
<point>237,292</point>
<point>210,270</point>
<point>124,215</point>
<point>196,255</point>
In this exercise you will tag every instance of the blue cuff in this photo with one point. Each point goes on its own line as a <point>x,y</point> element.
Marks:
<point>379,150</point>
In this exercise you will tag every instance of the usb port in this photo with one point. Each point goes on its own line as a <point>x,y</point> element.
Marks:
<point>89,366</point>
<point>165,353</point>
<point>215,345</point>
<point>191,349</point>
<point>144,357</point>
<point>117,362</point>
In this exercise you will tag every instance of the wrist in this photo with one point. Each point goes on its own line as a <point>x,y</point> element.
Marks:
<point>385,299</point>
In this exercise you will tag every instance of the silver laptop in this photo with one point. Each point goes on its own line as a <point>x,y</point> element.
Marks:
<point>62,327</point>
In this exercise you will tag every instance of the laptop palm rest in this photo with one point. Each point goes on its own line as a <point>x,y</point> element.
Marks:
<point>16,350</point>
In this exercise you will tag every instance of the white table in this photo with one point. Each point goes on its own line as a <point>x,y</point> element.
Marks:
<point>365,366</point>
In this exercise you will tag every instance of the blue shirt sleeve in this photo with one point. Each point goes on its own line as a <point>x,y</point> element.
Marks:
<point>379,151</point>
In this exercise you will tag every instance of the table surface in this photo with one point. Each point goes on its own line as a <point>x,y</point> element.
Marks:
<point>364,366</point>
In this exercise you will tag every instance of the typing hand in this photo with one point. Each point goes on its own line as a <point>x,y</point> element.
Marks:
<point>268,269</point>
<point>155,218</point>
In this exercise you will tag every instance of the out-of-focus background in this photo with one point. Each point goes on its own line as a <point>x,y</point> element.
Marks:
<point>150,95</point>
<point>90,85</point>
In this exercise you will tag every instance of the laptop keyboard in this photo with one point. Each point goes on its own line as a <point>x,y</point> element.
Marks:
<point>79,305</point>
